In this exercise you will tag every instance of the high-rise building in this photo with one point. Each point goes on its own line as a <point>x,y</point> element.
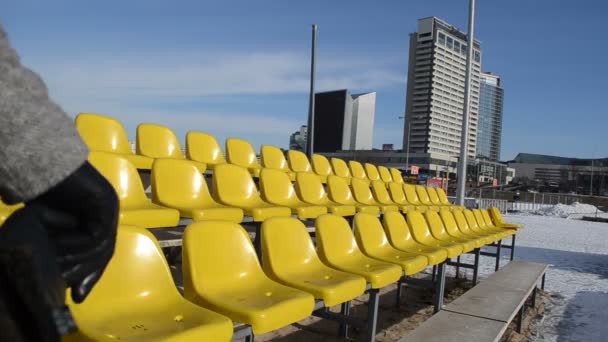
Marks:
<point>344,121</point>
<point>435,90</point>
<point>489,127</point>
<point>297,141</point>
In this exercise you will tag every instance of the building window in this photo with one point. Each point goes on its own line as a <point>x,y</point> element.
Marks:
<point>421,35</point>
<point>477,56</point>
<point>457,46</point>
<point>441,38</point>
<point>450,42</point>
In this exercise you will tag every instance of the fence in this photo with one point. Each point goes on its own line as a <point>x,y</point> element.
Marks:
<point>527,206</point>
<point>502,205</point>
<point>539,198</point>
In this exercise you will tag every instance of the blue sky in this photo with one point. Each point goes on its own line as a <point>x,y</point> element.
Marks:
<point>240,68</point>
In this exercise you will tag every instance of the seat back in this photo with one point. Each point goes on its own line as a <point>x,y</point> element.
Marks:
<point>410,194</point>
<point>442,196</point>
<point>156,141</point>
<point>449,222</point>
<point>423,196</point>
<point>362,192</point>
<point>103,133</point>
<point>471,220</point>
<point>497,216</point>
<point>396,174</point>
<point>340,168</point>
<point>335,239</point>
<point>487,218</point>
<point>204,148</point>
<point>436,225</point>
<point>461,221</point>
<point>123,176</point>
<point>385,174</point>
<point>372,172</point>
<point>240,152</point>
<point>369,234</point>
<point>432,193</point>
<point>298,161</point>
<point>419,228</point>
<point>479,218</point>
<point>397,194</point>
<point>287,247</point>
<point>276,188</point>
<point>397,230</point>
<point>137,280</point>
<point>380,192</point>
<point>273,158</point>
<point>320,165</point>
<point>356,170</point>
<point>310,189</point>
<point>339,191</point>
<point>178,183</point>
<point>233,185</point>
<point>218,257</point>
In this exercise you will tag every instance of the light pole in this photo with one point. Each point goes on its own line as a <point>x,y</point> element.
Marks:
<point>409,130</point>
<point>311,100</point>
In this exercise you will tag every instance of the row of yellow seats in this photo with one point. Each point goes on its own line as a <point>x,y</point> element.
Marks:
<point>223,279</point>
<point>180,190</point>
<point>102,133</point>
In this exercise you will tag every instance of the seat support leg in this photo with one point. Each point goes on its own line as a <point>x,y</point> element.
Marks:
<point>372,314</point>
<point>498,246</point>
<point>533,304</point>
<point>344,310</point>
<point>476,267</point>
<point>458,267</point>
<point>520,319</point>
<point>400,284</point>
<point>440,288</point>
<point>434,271</point>
<point>513,247</point>
<point>249,338</point>
<point>542,284</point>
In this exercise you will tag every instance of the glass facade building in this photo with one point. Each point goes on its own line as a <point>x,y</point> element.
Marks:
<point>489,127</point>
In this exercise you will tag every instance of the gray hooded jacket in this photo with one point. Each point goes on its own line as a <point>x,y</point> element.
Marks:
<point>39,144</point>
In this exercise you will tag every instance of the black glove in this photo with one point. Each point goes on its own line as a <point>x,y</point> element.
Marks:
<point>80,215</point>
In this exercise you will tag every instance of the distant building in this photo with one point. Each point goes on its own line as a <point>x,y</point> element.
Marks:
<point>297,141</point>
<point>563,173</point>
<point>435,90</point>
<point>489,127</point>
<point>344,121</point>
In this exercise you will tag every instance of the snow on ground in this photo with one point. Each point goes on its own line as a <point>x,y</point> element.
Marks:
<point>578,277</point>
<point>575,210</point>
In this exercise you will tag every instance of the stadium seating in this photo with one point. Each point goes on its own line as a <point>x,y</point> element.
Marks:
<point>385,175</point>
<point>372,241</point>
<point>156,141</point>
<point>383,198</point>
<point>439,232</point>
<point>136,300</point>
<point>422,234</point>
<point>451,227</point>
<point>289,257</point>
<point>396,175</point>
<point>398,196</point>
<point>309,188</point>
<point>276,189</point>
<point>321,166</point>
<point>222,272</point>
<point>481,222</point>
<point>178,184</point>
<point>340,192</point>
<point>499,221</point>
<point>363,194</point>
<point>135,208</point>
<point>486,216</point>
<point>273,158</point>
<point>463,226</point>
<point>372,172</point>
<point>474,226</point>
<point>412,196</point>
<point>423,197</point>
<point>357,170</point>
<point>434,198</point>
<point>298,161</point>
<point>233,186</point>
<point>204,148</point>
<point>240,152</point>
<point>341,169</point>
<point>6,210</point>
<point>102,133</point>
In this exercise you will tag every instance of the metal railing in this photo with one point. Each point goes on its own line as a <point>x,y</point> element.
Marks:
<point>486,203</point>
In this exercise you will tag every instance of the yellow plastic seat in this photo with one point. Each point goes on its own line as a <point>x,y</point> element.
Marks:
<point>178,184</point>
<point>321,166</point>
<point>310,190</point>
<point>373,242</point>
<point>434,198</point>
<point>363,194</point>
<point>338,248</point>
<point>298,161</point>
<point>277,189</point>
<point>398,196</point>
<point>156,141</point>
<point>372,172</point>
<point>357,170</point>
<point>445,201</point>
<point>382,196</point>
<point>474,226</point>
<point>103,133</point>
<point>7,210</point>
<point>233,186</point>
<point>222,272</point>
<point>412,197</point>
<point>289,257</point>
<point>481,222</point>
<point>439,232</point>
<point>422,234</point>
<point>339,192</point>
<point>240,152</point>
<point>341,169</point>
<point>463,226</point>
<point>499,221</point>
<point>135,208</point>
<point>486,216</point>
<point>396,176</point>
<point>423,197</point>
<point>385,174</point>
<point>136,300</point>
<point>204,148</point>
<point>273,158</point>
<point>451,227</point>
<point>400,237</point>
